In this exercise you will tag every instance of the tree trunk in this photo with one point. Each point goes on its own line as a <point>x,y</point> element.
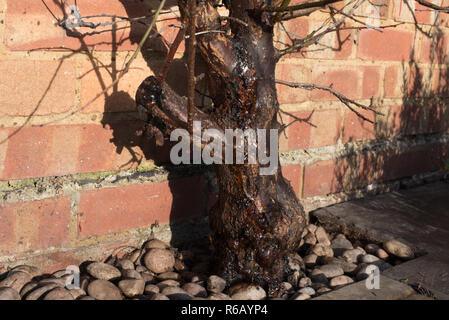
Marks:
<point>258,220</point>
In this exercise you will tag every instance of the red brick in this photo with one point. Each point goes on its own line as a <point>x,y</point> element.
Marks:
<point>36,87</point>
<point>137,206</point>
<point>69,149</point>
<point>34,225</point>
<point>293,173</point>
<point>30,25</point>
<point>334,45</point>
<point>374,10</point>
<point>299,132</point>
<point>371,82</point>
<point>297,28</point>
<point>292,73</point>
<point>41,151</point>
<point>409,119</point>
<point>327,128</point>
<point>391,44</point>
<point>438,118</point>
<point>120,98</point>
<point>344,81</point>
<point>392,82</point>
<point>355,128</point>
<point>434,50</point>
<point>319,179</point>
<point>422,159</point>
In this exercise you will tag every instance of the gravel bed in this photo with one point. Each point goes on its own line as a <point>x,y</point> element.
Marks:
<point>158,271</point>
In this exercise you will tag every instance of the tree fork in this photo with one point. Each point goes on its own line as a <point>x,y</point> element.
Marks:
<point>257,223</point>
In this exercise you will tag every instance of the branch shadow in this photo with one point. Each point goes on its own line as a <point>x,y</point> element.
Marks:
<point>421,115</point>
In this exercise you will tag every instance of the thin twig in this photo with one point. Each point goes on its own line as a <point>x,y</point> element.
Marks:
<point>345,100</point>
<point>191,53</point>
<point>122,73</point>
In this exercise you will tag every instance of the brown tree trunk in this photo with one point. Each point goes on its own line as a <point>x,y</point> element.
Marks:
<point>258,220</point>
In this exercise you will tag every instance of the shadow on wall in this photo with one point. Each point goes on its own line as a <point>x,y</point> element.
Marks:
<point>423,112</point>
<point>130,133</point>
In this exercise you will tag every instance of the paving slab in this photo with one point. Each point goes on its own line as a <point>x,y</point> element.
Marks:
<point>389,289</point>
<point>418,217</point>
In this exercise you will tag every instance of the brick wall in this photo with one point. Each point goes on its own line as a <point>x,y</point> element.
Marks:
<point>89,179</point>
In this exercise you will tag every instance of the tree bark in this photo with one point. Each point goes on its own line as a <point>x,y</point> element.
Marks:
<point>258,221</point>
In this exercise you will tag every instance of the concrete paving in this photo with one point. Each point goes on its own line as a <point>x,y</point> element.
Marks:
<point>418,217</point>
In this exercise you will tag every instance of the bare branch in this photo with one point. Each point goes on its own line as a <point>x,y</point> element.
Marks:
<point>345,100</point>
<point>433,6</point>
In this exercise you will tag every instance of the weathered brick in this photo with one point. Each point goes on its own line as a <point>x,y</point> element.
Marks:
<point>119,98</point>
<point>137,206</point>
<point>319,179</point>
<point>32,25</point>
<point>334,45</point>
<point>355,128</point>
<point>299,132</point>
<point>345,81</point>
<point>292,73</point>
<point>34,225</point>
<point>434,50</point>
<point>36,87</point>
<point>371,82</point>
<point>391,44</point>
<point>41,151</point>
<point>293,173</point>
<point>392,82</point>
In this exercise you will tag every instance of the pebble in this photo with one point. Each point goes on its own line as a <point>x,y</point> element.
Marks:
<point>169,276</point>
<point>307,290</point>
<point>340,281</point>
<point>148,278</point>
<point>195,290</point>
<point>352,255</point>
<point>58,294</point>
<point>7,293</point>
<point>322,250</point>
<point>133,256</point>
<point>103,271</point>
<point>176,293</point>
<point>311,228</point>
<point>368,258</point>
<point>310,260</point>
<point>104,290</point>
<point>219,296</point>
<point>28,287</point>
<point>295,262</point>
<point>245,291</point>
<point>340,245</point>
<point>216,284</point>
<point>40,291</point>
<point>86,298</point>
<point>398,249</point>
<point>31,270</point>
<point>159,260</point>
<point>76,293</point>
<point>16,280</point>
<point>132,274</point>
<point>304,282</point>
<point>168,283</point>
<point>151,289</point>
<point>382,254</point>
<point>322,237</point>
<point>158,296</point>
<point>310,239</point>
<point>329,270</point>
<point>323,290</point>
<point>156,244</point>
<point>132,287</point>
<point>346,266</point>
<point>125,264</point>
<point>371,248</point>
